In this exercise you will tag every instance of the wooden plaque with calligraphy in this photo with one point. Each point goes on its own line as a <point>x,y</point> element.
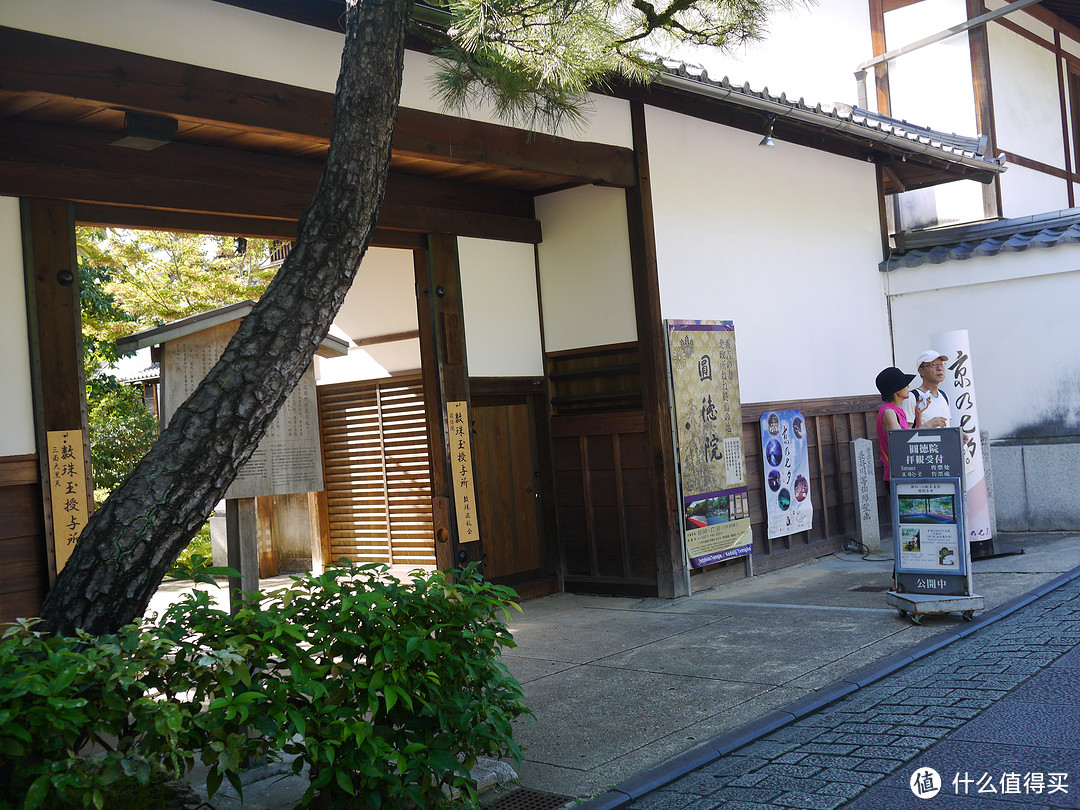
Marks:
<point>67,489</point>
<point>460,437</point>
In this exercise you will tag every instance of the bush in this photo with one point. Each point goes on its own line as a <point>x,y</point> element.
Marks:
<point>121,431</point>
<point>387,691</point>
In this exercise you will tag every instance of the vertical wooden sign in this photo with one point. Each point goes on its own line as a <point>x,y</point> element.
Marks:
<point>457,418</point>
<point>67,486</point>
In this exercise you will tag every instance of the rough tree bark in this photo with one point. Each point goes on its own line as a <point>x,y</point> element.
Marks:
<point>130,543</point>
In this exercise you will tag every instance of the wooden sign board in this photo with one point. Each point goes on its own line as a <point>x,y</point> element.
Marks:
<point>67,490</point>
<point>288,460</point>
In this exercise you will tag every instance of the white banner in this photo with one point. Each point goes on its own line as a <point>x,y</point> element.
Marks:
<point>959,385</point>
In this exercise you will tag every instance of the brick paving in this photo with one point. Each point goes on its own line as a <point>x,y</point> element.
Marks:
<point>1006,697</point>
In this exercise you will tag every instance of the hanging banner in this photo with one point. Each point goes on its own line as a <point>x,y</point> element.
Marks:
<point>708,417</point>
<point>959,384</point>
<point>787,473</point>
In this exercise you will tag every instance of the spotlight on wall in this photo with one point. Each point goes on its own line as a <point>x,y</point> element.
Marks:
<point>146,132</point>
<point>767,141</point>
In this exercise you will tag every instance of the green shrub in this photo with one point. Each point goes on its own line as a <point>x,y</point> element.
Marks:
<point>121,431</point>
<point>388,691</point>
<point>60,697</point>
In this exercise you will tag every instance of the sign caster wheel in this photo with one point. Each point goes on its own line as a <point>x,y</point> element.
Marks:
<point>968,615</point>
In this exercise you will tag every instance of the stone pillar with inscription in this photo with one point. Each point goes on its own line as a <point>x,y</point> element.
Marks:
<point>864,486</point>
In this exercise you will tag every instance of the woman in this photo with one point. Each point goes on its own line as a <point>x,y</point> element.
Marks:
<point>894,386</point>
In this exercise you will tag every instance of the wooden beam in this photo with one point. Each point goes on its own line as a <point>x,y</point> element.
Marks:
<point>59,68</point>
<point>671,571</point>
<point>378,340</point>
<point>979,48</point>
<point>118,216</point>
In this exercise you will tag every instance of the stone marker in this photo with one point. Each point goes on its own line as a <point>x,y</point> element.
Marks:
<point>984,441</point>
<point>864,486</point>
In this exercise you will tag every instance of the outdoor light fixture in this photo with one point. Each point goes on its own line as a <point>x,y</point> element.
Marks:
<point>146,132</point>
<point>767,141</point>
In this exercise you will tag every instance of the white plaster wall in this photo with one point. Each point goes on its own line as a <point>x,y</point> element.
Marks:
<point>784,242</point>
<point>214,35</point>
<point>586,287</point>
<point>502,316</point>
<point>932,87</point>
<point>382,301</point>
<point>810,51</point>
<point>16,394</point>
<point>1025,192</point>
<point>1020,313</point>
<point>1027,108</point>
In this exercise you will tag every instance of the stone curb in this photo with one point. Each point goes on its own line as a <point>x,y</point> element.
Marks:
<point>683,764</point>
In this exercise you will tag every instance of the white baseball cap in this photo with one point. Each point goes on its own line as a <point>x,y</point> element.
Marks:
<point>928,355</point>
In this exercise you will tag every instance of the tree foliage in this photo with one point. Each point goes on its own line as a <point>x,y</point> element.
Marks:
<point>535,61</point>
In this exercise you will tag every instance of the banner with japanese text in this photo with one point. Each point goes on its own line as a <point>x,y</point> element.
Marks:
<point>708,419</point>
<point>787,473</point>
<point>959,385</point>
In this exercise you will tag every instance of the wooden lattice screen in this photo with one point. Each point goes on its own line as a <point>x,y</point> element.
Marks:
<point>376,462</point>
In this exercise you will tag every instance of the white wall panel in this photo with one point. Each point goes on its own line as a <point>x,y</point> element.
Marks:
<point>1027,108</point>
<point>1025,192</point>
<point>502,318</point>
<point>785,242</point>
<point>586,286</point>
<point>16,394</point>
<point>382,301</point>
<point>1026,360</point>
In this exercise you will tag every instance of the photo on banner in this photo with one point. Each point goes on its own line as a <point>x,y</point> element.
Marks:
<point>708,419</point>
<point>787,473</point>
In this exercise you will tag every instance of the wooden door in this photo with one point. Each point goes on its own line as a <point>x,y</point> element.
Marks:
<point>507,476</point>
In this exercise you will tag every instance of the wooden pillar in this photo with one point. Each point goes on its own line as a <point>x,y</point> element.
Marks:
<point>441,321</point>
<point>56,362</point>
<point>671,572</point>
<point>242,537</point>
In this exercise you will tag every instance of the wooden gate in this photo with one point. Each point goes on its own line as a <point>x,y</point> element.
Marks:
<point>377,468</point>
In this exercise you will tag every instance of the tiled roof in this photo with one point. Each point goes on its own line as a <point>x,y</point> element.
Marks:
<point>985,239</point>
<point>854,121</point>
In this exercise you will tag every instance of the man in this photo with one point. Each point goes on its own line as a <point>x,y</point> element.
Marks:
<point>928,407</point>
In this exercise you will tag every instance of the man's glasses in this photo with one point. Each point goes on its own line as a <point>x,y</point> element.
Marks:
<point>937,366</point>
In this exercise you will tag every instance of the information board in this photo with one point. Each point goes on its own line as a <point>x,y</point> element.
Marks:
<point>930,550</point>
<point>708,419</point>
<point>288,460</point>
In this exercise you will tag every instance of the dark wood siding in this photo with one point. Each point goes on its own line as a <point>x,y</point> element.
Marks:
<point>22,538</point>
<point>605,509</point>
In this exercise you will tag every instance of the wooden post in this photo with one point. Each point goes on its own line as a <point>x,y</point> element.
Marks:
<point>56,363</point>
<point>441,321</point>
<point>672,575</point>
<point>241,530</point>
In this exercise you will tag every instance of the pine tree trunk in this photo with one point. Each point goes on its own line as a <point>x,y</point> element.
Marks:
<point>130,543</point>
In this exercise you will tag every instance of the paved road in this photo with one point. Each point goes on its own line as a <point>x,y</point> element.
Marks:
<point>996,715</point>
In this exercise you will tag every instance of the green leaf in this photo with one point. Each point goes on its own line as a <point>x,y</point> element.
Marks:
<point>344,781</point>
<point>37,792</point>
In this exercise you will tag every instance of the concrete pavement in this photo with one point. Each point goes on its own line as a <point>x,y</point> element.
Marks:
<point>989,721</point>
<point>619,686</point>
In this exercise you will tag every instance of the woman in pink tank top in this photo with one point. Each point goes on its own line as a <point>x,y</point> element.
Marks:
<point>894,387</point>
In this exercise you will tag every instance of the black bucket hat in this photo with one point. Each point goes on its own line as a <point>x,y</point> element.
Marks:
<point>891,380</point>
